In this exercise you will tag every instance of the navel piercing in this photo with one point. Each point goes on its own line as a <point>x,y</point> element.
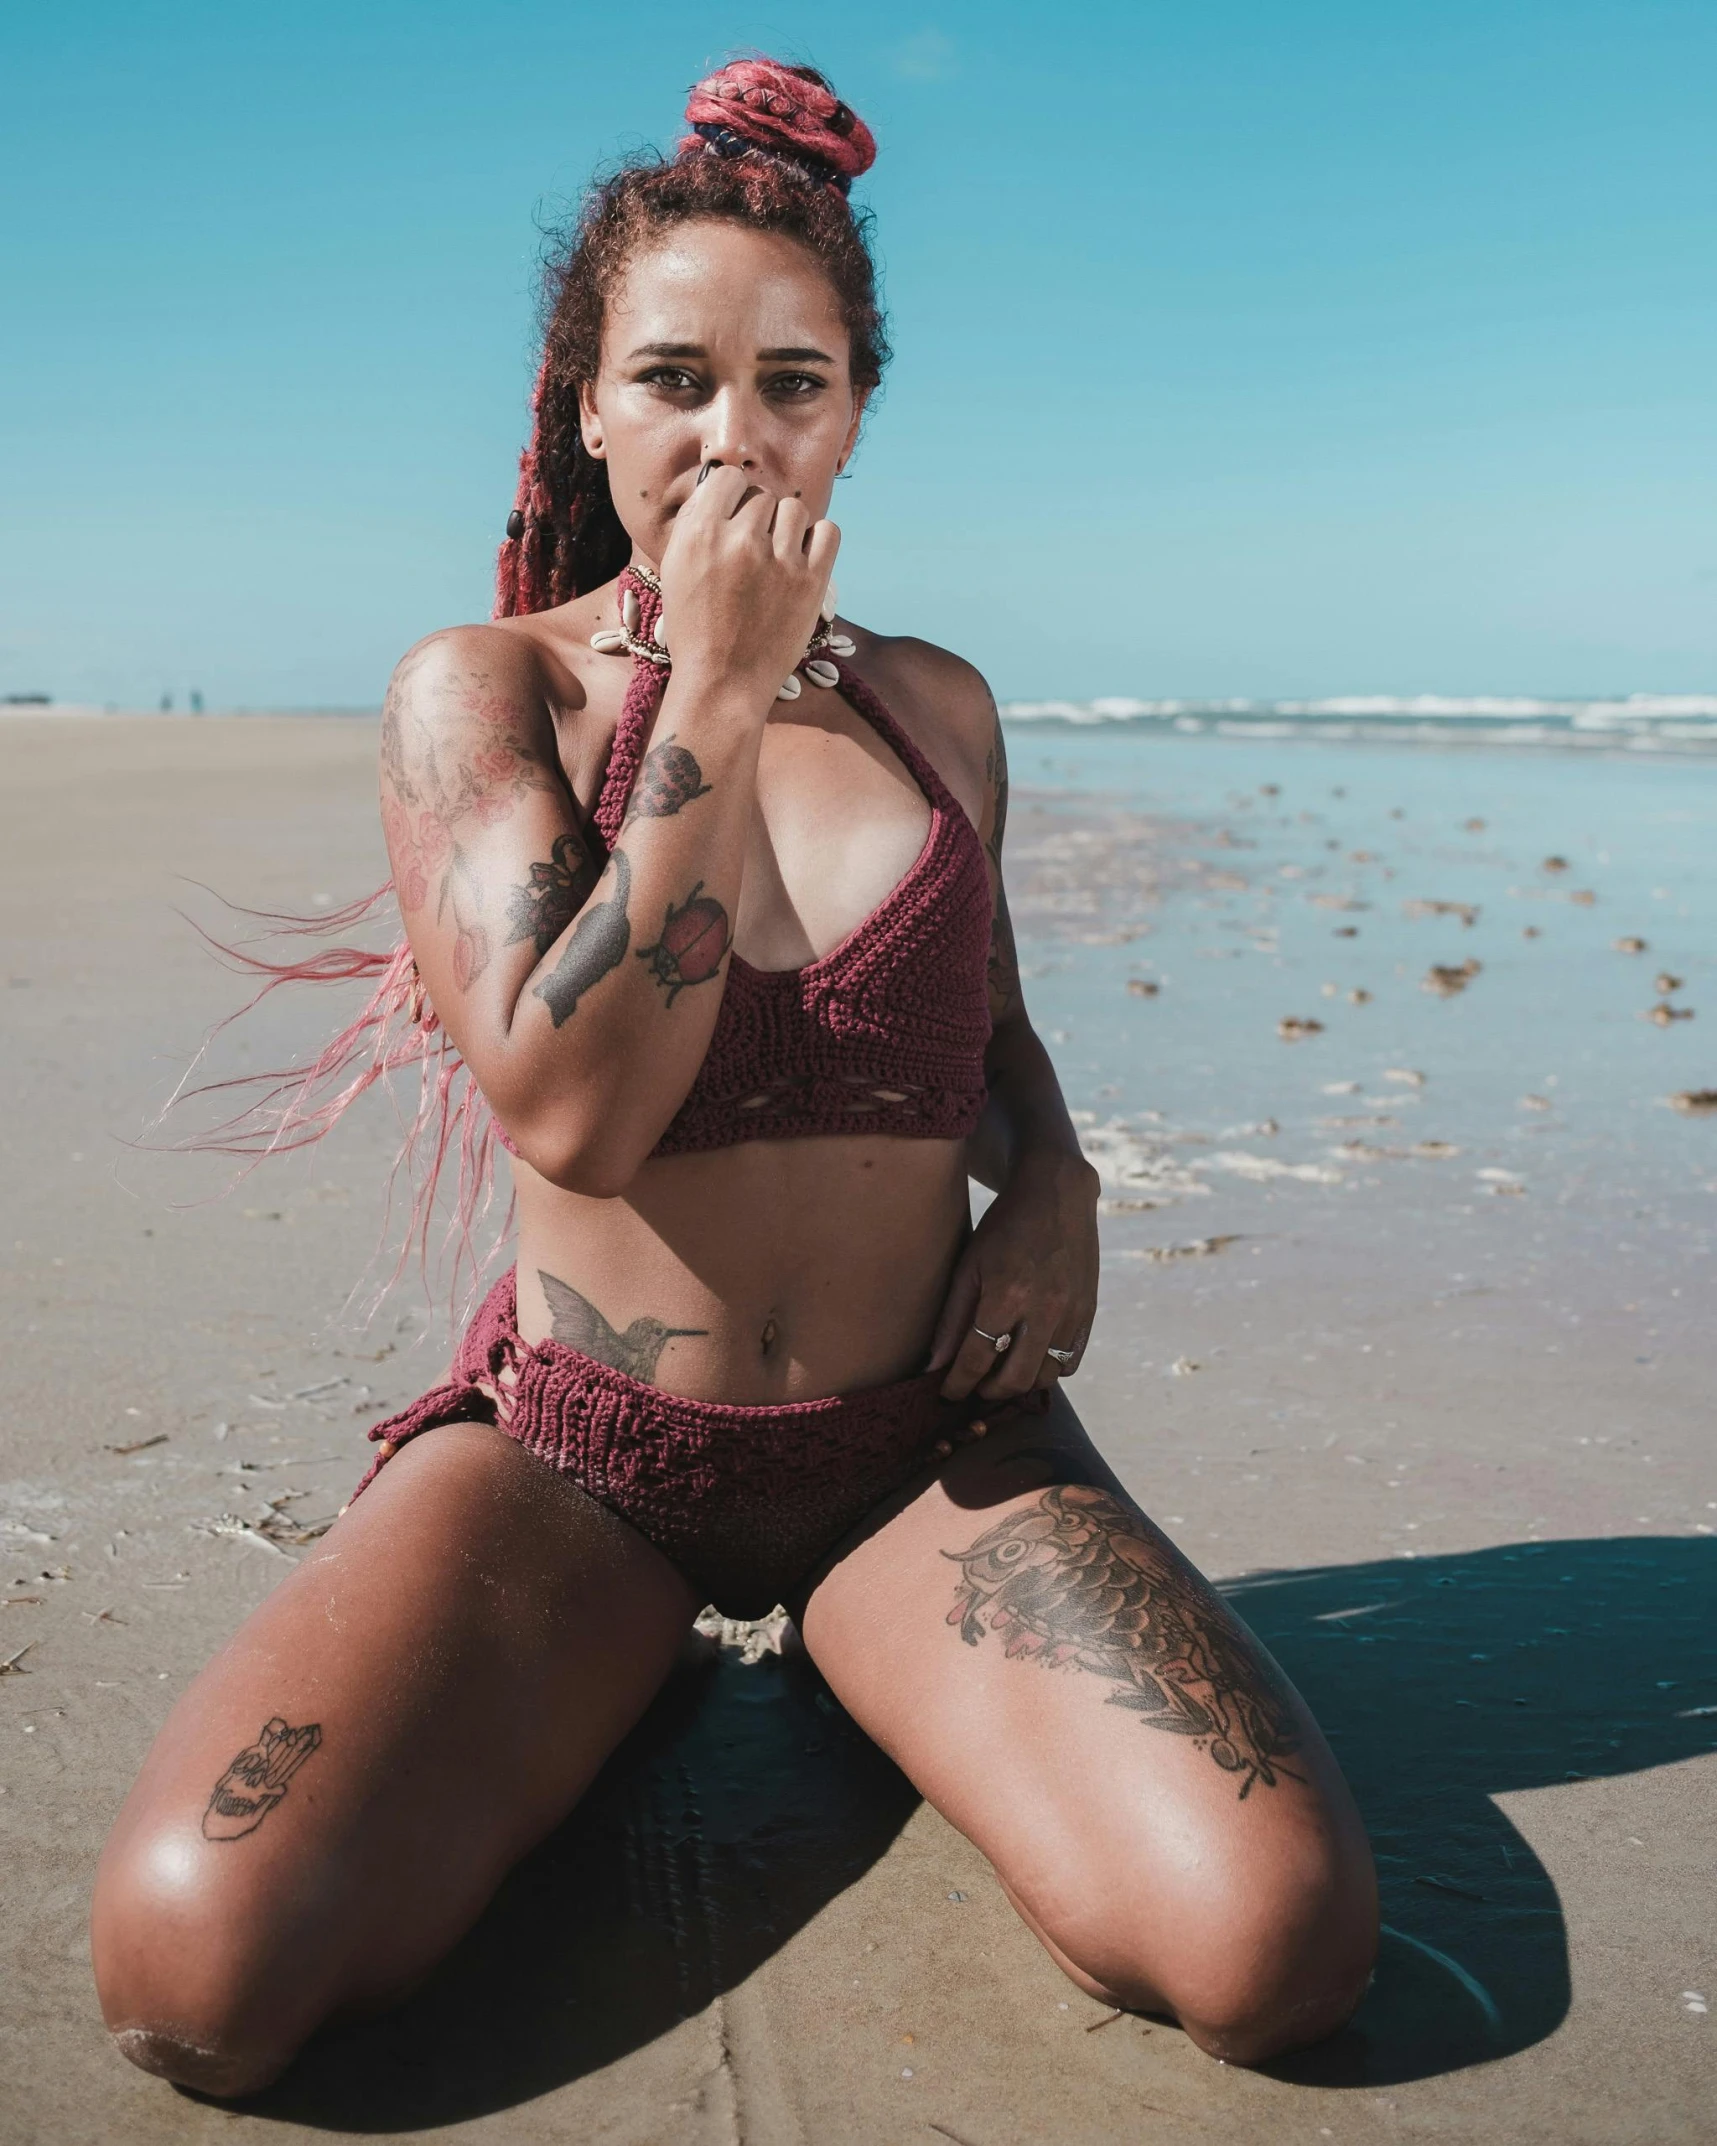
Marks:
<point>626,637</point>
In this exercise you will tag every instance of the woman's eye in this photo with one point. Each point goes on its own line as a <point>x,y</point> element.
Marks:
<point>794,384</point>
<point>669,376</point>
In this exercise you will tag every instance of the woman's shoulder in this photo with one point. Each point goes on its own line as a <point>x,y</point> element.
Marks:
<point>944,700</point>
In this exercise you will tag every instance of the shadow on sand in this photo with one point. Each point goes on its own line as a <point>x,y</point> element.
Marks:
<point>746,1800</point>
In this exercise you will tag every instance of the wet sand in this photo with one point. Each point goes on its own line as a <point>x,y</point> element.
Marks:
<point>1448,1444</point>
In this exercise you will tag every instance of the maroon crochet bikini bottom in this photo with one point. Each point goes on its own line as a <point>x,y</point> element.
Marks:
<point>746,1501</point>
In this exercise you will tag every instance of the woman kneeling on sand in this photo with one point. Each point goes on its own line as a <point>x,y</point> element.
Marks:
<point>704,884</point>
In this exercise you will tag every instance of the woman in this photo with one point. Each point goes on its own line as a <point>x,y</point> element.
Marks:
<point>705,886</point>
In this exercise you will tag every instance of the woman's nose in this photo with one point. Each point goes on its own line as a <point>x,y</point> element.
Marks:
<point>724,441</point>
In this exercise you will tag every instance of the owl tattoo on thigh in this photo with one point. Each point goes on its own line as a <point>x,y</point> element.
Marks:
<point>1074,1581</point>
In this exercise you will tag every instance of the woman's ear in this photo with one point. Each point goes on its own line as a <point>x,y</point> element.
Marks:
<point>851,440</point>
<point>589,423</point>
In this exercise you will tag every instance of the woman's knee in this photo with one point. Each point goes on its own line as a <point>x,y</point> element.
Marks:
<point>1251,1969</point>
<point>198,1983</point>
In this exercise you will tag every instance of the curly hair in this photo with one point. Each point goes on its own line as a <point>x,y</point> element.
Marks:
<point>771,148</point>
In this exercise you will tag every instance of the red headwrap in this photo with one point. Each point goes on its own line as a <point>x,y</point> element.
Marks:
<point>785,111</point>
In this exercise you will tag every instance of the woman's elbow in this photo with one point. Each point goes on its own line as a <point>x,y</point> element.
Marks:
<point>597,1164</point>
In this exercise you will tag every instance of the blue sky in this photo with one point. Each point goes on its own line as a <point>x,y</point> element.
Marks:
<point>1295,348</point>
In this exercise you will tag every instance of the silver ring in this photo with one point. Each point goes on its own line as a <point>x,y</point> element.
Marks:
<point>1062,1356</point>
<point>998,1342</point>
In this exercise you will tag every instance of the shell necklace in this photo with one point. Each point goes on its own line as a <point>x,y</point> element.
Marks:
<point>629,637</point>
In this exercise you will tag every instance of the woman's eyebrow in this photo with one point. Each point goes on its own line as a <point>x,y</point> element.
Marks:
<point>788,356</point>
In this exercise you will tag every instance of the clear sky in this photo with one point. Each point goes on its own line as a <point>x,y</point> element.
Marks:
<point>1254,347</point>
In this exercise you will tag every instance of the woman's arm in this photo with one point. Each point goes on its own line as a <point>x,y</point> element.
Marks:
<point>543,969</point>
<point>1031,1266</point>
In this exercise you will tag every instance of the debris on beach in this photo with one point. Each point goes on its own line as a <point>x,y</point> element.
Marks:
<point>1404,1076</point>
<point>12,1665</point>
<point>1344,1087</point>
<point>1695,1102</point>
<point>1195,1248</point>
<point>1448,982</point>
<point>1664,984</point>
<point>1359,996</point>
<point>1335,901</point>
<point>1263,1169</point>
<point>1295,1028</point>
<point>1584,896</point>
<point>138,1445</point>
<point>1434,1150</point>
<point>1139,987</point>
<point>1531,931</point>
<point>1535,1102</point>
<point>1183,1367</point>
<point>1663,1013</point>
<point>1630,945</point>
<point>750,1637</point>
<point>1345,931</point>
<point>1474,827</point>
<point>1554,864</point>
<point>1466,911</point>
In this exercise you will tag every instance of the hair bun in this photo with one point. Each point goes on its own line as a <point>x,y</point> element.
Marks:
<point>784,111</point>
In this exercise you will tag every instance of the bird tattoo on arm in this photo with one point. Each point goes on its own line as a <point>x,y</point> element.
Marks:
<point>577,1323</point>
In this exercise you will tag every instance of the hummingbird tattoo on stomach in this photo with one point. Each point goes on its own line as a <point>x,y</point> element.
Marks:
<point>577,1323</point>
<point>1076,1581</point>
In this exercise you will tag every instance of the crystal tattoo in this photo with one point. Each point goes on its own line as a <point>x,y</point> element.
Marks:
<point>256,1780</point>
<point>1076,1581</point>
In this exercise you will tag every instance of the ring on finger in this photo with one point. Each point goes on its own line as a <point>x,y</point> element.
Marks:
<point>1063,1356</point>
<point>1001,1343</point>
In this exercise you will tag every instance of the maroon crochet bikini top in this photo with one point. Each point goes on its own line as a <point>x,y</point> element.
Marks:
<point>886,1032</point>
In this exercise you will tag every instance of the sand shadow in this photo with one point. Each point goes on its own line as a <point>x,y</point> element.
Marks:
<point>744,1801</point>
<point>1444,1681</point>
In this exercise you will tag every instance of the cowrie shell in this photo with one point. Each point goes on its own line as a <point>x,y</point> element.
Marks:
<point>630,612</point>
<point>840,644</point>
<point>659,631</point>
<point>821,673</point>
<point>830,603</point>
<point>789,689</point>
<point>609,641</point>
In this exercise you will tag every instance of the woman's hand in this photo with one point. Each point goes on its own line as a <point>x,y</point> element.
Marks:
<point>1030,1270</point>
<point>742,578</point>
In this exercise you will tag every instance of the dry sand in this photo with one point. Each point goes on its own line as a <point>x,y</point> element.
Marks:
<point>754,1931</point>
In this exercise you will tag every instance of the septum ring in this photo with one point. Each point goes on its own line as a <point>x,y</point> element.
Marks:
<point>999,1342</point>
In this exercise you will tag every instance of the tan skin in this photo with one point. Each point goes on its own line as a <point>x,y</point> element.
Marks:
<point>440,1637</point>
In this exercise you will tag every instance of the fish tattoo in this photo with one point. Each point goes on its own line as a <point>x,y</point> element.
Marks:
<point>256,1780</point>
<point>1074,1581</point>
<point>598,943</point>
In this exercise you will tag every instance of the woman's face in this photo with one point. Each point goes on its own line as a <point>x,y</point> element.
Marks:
<point>727,345</point>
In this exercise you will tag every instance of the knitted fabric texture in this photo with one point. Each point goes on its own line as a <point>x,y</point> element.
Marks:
<point>747,1501</point>
<point>886,1032</point>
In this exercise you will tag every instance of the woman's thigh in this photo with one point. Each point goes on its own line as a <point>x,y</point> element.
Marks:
<point>1056,1678</point>
<point>335,1798</point>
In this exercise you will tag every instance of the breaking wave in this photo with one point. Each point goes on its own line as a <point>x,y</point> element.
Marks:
<point>1640,722</point>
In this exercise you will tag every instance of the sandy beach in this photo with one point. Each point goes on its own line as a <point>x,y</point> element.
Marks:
<point>1406,1336</point>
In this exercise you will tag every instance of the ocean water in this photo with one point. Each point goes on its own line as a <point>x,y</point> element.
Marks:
<point>1636,723</point>
<point>1292,869</point>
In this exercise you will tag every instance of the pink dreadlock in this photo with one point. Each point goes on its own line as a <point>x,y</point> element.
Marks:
<point>771,148</point>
